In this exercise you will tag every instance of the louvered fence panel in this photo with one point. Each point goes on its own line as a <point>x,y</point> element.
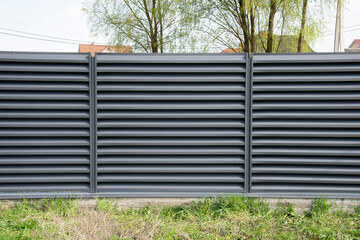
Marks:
<point>306,125</point>
<point>171,124</point>
<point>44,124</point>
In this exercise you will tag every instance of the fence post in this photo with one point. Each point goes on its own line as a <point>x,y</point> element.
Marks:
<point>93,123</point>
<point>248,123</point>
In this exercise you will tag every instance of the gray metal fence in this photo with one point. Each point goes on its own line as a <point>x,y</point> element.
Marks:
<point>44,124</point>
<point>152,125</point>
<point>306,125</point>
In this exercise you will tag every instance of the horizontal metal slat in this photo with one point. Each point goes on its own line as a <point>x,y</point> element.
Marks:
<point>43,57</point>
<point>43,67</point>
<point>306,160</point>
<point>319,67</point>
<point>169,142</point>
<point>306,96</point>
<point>306,58</point>
<point>307,87</point>
<point>43,142</point>
<point>280,132</point>
<point>43,178</point>
<point>306,151</point>
<point>44,151</point>
<point>268,123</point>
<point>170,169</point>
<point>305,179</point>
<point>171,159</point>
<point>44,95</point>
<point>306,77</point>
<point>306,142</point>
<point>231,87</point>
<point>32,187</point>
<point>108,123</point>
<point>231,178</point>
<point>39,123</point>
<point>43,105</point>
<point>169,150</point>
<point>44,132</point>
<point>58,86</point>
<point>170,96</point>
<point>170,106</point>
<point>335,170</point>
<point>168,188</point>
<point>170,133</point>
<point>166,68</point>
<point>171,58</point>
<point>44,169</point>
<point>108,114</point>
<point>320,189</point>
<point>44,77</point>
<point>306,114</point>
<point>307,105</point>
<point>73,114</point>
<point>179,77</point>
<point>38,160</point>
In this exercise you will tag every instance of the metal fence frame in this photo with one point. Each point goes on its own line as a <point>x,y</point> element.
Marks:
<point>341,59</point>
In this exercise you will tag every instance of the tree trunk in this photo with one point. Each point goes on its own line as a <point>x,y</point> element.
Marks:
<point>303,21</point>
<point>244,26</point>
<point>270,38</point>
<point>252,28</point>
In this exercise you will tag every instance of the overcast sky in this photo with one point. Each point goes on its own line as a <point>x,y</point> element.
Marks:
<point>64,19</point>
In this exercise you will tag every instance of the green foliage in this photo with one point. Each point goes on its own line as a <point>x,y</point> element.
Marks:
<point>148,26</point>
<point>239,24</point>
<point>197,25</point>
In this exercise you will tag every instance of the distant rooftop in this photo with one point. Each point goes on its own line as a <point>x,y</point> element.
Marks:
<point>354,46</point>
<point>94,48</point>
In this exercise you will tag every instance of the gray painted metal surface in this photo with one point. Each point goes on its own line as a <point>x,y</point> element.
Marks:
<point>305,125</point>
<point>44,123</point>
<point>170,125</point>
<point>179,125</point>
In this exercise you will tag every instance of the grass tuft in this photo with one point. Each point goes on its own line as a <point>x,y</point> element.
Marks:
<point>320,206</point>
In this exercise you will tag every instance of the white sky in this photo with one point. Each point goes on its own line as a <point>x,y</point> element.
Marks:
<point>65,19</point>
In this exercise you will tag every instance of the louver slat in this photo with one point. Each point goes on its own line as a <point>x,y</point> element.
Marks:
<point>170,125</point>
<point>44,123</point>
<point>305,125</point>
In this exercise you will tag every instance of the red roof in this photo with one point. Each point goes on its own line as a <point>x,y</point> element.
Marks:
<point>101,48</point>
<point>357,41</point>
<point>231,50</point>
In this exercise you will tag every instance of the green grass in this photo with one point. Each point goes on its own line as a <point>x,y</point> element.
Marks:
<point>234,217</point>
<point>27,216</point>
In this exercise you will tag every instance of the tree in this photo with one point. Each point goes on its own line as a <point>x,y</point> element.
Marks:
<point>303,21</point>
<point>263,25</point>
<point>147,25</point>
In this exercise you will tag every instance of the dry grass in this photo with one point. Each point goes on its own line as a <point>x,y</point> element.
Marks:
<point>87,223</point>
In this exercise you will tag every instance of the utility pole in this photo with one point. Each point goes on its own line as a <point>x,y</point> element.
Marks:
<point>339,27</point>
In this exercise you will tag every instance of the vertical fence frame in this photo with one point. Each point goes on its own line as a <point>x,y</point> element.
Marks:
<point>248,123</point>
<point>93,129</point>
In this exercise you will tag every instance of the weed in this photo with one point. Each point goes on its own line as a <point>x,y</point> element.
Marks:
<point>106,205</point>
<point>285,209</point>
<point>320,206</point>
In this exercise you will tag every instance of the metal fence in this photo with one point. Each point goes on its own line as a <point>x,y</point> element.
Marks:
<point>180,125</point>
